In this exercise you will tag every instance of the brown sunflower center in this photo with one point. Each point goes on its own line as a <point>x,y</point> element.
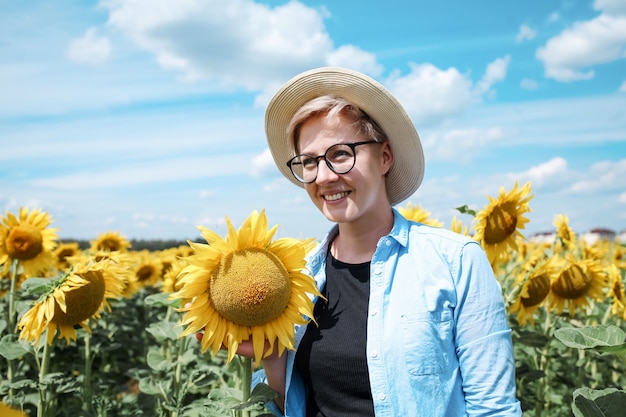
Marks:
<point>24,242</point>
<point>616,290</point>
<point>501,223</point>
<point>538,289</point>
<point>250,287</point>
<point>572,283</point>
<point>82,302</point>
<point>145,272</point>
<point>110,244</point>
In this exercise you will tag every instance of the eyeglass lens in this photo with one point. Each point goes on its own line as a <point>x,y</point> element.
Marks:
<point>339,158</point>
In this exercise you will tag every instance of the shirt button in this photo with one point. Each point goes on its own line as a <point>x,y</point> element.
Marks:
<point>388,242</point>
<point>382,396</point>
<point>377,270</point>
<point>374,312</point>
<point>375,354</point>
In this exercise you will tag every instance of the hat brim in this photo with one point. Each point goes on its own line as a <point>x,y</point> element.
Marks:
<point>407,171</point>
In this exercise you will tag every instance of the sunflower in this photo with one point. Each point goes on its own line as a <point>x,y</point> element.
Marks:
<point>497,225</point>
<point>28,239</point>
<point>619,256</point>
<point>65,251</point>
<point>616,292</point>
<point>171,281</point>
<point>457,226</point>
<point>123,263</point>
<point>534,292</point>
<point>565,236</point>
<point>7,411</point>
<point>111,242</point>
<point>418,214</point>
<point>71,300</point>
<point>246,286</point>
<point>576,282</point>
<point>148,268</point>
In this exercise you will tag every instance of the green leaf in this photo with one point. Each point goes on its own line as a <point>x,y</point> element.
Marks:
<point>187,357</point>
<point>604,338</point>
<point>161,299</point>
<point>157,361</point>
<point>11,348</point>
<point>149,387</point>
<point>609,402</point>
<point>228,397</point>
<point>23,383</point>
<point>464,209</point>
<point>262,390</point>
<point>37,286</point>
<point>165,330</point>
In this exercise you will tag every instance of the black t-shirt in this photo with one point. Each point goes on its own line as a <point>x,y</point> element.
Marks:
<point>332,357</point>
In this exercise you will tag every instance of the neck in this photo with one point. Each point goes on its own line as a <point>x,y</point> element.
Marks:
<point>356,241</point>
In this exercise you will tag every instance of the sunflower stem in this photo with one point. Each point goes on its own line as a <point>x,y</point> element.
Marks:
<point>12,321</point>
<point>543,401</point>
<point>178,392</point>
<point>12,293</point>
<point>87,393</point>
<point>43,371</point>
<point>246,382</point>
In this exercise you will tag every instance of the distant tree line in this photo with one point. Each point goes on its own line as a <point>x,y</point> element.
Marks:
<point>140,244</point>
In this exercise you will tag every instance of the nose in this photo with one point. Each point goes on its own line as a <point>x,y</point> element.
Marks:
<point>325,174</point>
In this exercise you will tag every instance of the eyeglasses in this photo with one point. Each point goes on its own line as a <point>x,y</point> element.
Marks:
<point>339,158</point>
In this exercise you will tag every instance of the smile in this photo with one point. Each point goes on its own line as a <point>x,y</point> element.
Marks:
<point>335,197</point>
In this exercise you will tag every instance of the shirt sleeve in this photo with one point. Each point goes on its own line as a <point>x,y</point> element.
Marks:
<point>483,338</point>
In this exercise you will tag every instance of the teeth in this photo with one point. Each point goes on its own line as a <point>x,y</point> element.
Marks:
<point>333,197</point>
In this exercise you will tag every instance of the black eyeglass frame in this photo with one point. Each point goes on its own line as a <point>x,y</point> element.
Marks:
<point>293,161</point>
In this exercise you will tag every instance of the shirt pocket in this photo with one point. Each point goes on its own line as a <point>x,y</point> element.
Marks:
<point>427,341</point>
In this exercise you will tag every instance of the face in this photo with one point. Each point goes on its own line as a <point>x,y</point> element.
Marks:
<point>358,195</point>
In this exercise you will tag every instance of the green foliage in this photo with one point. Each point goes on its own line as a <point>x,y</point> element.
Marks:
<point>603,338</point>
<point>609,402</point>
<point>134,363</point>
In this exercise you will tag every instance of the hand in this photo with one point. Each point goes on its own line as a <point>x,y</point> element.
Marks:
<point>246,348</point>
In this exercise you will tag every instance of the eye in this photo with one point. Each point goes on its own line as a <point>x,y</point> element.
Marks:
<point>308,162</point>
<point>339,154</point>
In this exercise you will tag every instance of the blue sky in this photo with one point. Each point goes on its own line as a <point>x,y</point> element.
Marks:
<point>145,117</point>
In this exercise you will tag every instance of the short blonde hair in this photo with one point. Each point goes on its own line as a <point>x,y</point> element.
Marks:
<point>331,106</point>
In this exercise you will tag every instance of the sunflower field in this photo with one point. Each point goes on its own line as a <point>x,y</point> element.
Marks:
<point>110,330</point>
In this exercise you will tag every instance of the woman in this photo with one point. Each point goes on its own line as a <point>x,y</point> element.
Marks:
<point>412,320</point>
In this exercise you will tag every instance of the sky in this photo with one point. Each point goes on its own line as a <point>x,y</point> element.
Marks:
<point>145,117</point>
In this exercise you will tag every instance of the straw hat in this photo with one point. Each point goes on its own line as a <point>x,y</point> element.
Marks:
<point>407,171</point>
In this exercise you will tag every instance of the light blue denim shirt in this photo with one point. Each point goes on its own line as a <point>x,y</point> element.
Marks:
<point>438,341</point>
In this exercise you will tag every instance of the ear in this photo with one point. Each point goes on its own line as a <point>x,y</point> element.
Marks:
<point>387,157</point>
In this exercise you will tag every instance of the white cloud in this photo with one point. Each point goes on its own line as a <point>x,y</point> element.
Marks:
<point>90,49</point>
<point>238,43</point>
<point>539,175</point>
<point>461,144</point>
<point>528,84</point>
<point>263,163</point>
<point>610,6</point>
<point>148,172</point>
<point>622,88</point>
<point>429,93</point>
<point>602,176</point>
<point>207,194</point>
<point>554,17</point>
<point>349,56</point>
<point>570,55</point>
<point>525,33</point>
<point>622,198</point>
<point>496,72</point>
